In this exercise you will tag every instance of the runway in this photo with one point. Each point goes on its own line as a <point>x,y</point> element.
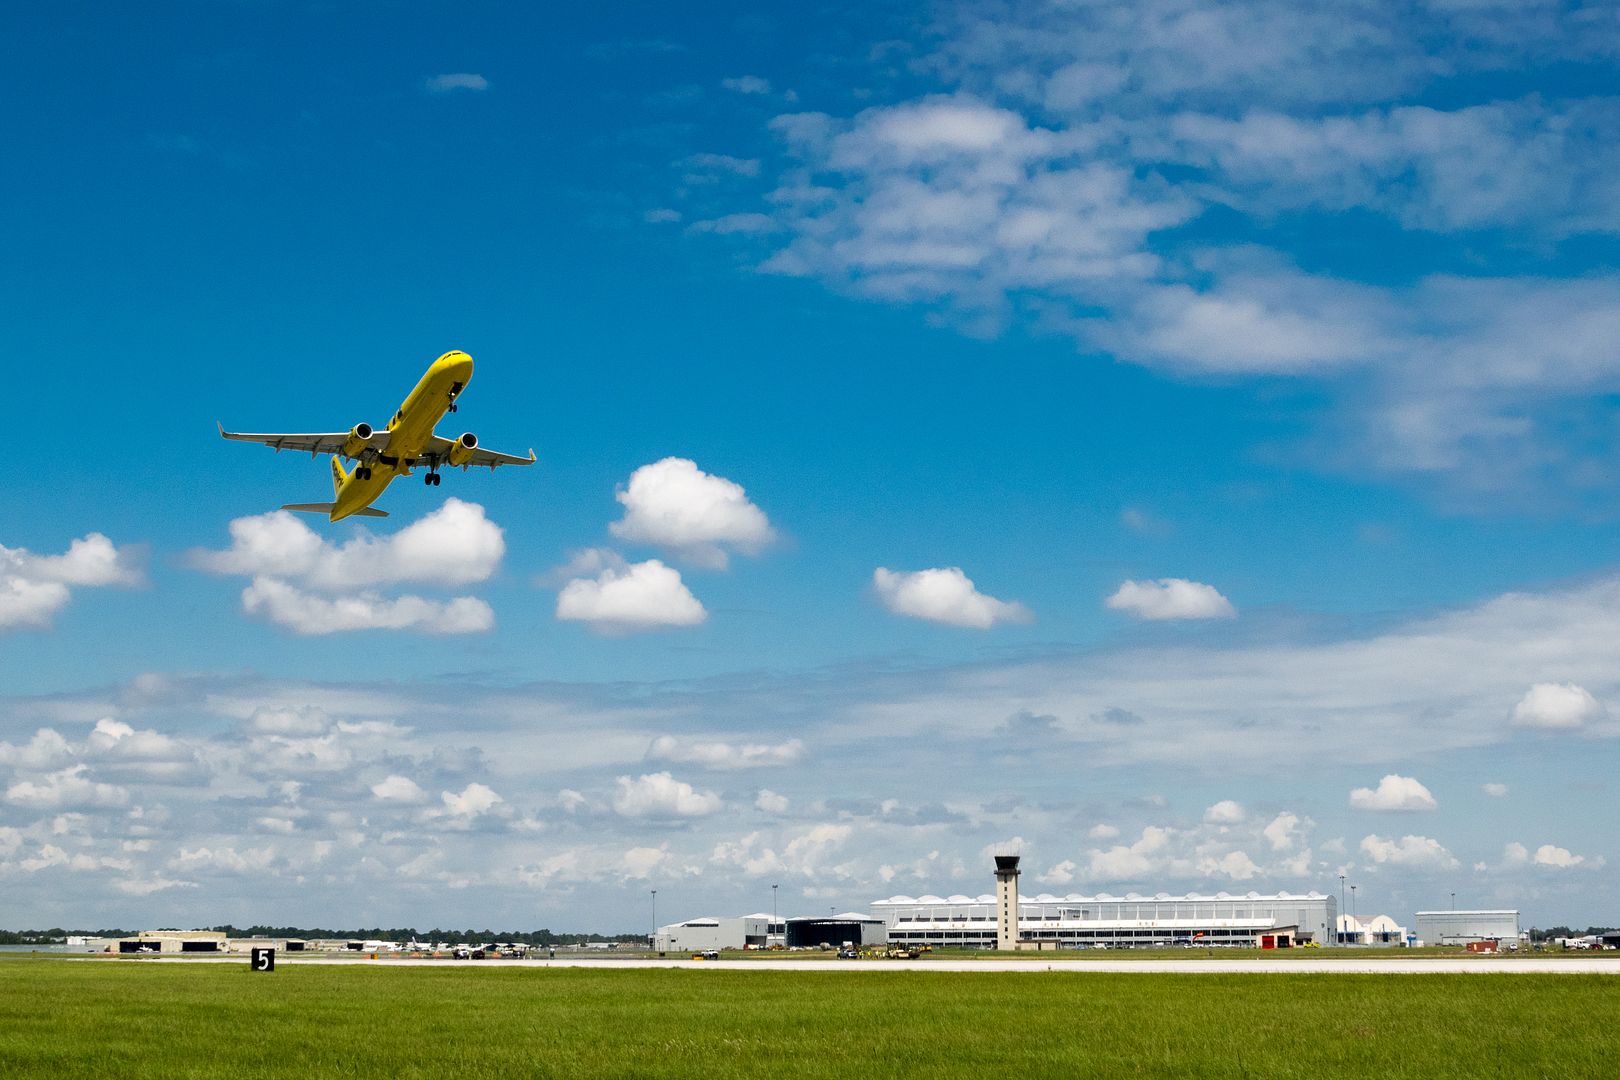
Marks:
<point>1444,965</point>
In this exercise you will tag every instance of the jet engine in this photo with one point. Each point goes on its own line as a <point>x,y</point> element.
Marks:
<point>357,441</point>
<point>461,451</point>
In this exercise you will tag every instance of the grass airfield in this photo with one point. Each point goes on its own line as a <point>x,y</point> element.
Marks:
<point>143,1019</point>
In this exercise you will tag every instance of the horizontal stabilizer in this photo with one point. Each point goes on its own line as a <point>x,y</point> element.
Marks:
<point>326,508</point>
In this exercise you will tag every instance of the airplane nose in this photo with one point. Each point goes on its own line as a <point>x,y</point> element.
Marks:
<point>457,363</point>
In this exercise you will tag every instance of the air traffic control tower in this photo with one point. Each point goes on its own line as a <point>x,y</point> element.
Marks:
<point>1006,901</point>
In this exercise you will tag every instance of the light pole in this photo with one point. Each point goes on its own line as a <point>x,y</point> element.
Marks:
<point>1453,901</point>
<point>772,929</point>
<point>654,940</point>
<point>1353,914</point>
<point>1339,934</point>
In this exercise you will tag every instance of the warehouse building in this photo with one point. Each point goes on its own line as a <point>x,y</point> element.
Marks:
<point>1467,927</point>
<point>1378,930</point>
<point>755,931</point>
<point>163,942</point>
<point>1104,920</point>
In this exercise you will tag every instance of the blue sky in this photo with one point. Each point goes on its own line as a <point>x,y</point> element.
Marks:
<point>1173,439</point>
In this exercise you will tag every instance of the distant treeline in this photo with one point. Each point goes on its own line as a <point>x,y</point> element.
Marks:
<point>54,936</point>
<point>410,933</point>
<point>1564,931</point>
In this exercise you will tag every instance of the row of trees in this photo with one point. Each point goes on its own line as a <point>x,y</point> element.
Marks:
<point>56,935</point>
<point>410,933</point>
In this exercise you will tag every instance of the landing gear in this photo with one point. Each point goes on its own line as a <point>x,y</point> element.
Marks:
<point>431,479</point>
<point>363,473</point>
<point>452,406</point>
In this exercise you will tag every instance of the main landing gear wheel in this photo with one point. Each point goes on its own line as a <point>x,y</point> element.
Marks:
<point>431,479</point>
<point>363,473</point>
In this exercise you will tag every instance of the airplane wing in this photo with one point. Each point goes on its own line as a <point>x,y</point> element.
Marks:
<point>315,444</point>
<point>438,453</point>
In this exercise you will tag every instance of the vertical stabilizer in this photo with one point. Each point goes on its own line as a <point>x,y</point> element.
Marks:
<point>338,475</point>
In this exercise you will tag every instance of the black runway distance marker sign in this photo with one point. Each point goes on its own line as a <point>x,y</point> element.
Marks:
<point>262,959</point>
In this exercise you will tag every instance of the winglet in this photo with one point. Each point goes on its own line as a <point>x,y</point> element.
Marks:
<point>531,455</point>
<point>221,428</point>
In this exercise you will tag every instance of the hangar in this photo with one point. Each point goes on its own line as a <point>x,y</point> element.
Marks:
<point>1466,927</point>
<point>756,931</point>
<point>812,931</point>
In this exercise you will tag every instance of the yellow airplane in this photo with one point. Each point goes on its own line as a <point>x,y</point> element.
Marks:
<point>407,441</point>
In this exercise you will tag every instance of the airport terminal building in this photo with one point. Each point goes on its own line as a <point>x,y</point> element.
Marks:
<point>1129,921</point>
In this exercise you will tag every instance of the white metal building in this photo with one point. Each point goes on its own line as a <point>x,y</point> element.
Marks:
<point>1377,930</point>
<point>1114,921</point>
<point>737,932</point>
<point>1462,927</point>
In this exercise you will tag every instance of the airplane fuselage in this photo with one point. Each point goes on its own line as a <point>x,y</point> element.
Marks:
<point>409,431</point>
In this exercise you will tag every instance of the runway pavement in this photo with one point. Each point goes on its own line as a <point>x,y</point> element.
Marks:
<point>1394,965</point>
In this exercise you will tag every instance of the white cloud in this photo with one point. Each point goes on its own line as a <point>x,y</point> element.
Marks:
<point>944,595</point>
<point>1415,852</point>
<point>1495,790</point>
<point>398,789</point>
<point>677,506</point>
<point>1103,832</point>
<point>45,750</point>
<point>308,613</point>
<point>735,225</point>
<point>33,588</point>
<point>1059,874</point>
<point>1171,598</point>
<point>472,801</point>
<point>747,84</point>
<point>1557,857</point>
<point>770,802</point>
<point>458,80</point>
<point>66,788</point>
<point>1556,706</point>
<point>453,545</point>
<point>642,596</point>
<point>1133,862</point>
<point>724,755</point>
<point>1225,812</point>
<point>1283,832</point>
<point>660,795</point>
<point>1393,793</point>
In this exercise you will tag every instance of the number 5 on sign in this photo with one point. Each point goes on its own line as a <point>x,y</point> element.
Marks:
<point>263,960</point>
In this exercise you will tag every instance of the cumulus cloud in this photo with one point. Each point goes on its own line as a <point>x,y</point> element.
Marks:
<point>398,789</point>
<point>660,795</point>
<point>310,585</point>
<point>1171,598</point>
<point>1495,790</point>
<point>457,80</point>
<point>944,595</point>
<point>622,600</point>
<point>33,588</point>
<point>1414,852</point>
<point>1225,812</point>
<point>725,755</point>
<point>1103,832</point>
<point>675,505</point>
<point>770,802</point>
<point>70,787</point>
<point>453,545</point>
<point>1393,793</point>
<point>310,613</point>
<point>470,802</point>
<point>1556,706</point>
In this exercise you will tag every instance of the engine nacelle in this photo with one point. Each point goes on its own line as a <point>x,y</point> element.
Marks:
<point>357,441</point>
<point>461,451</point>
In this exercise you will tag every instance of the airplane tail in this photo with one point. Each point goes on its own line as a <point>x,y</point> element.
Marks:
<point>326,508</point>
<point>338,475</point>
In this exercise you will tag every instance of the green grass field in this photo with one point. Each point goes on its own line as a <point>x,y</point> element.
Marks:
<point>142,1019</point>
